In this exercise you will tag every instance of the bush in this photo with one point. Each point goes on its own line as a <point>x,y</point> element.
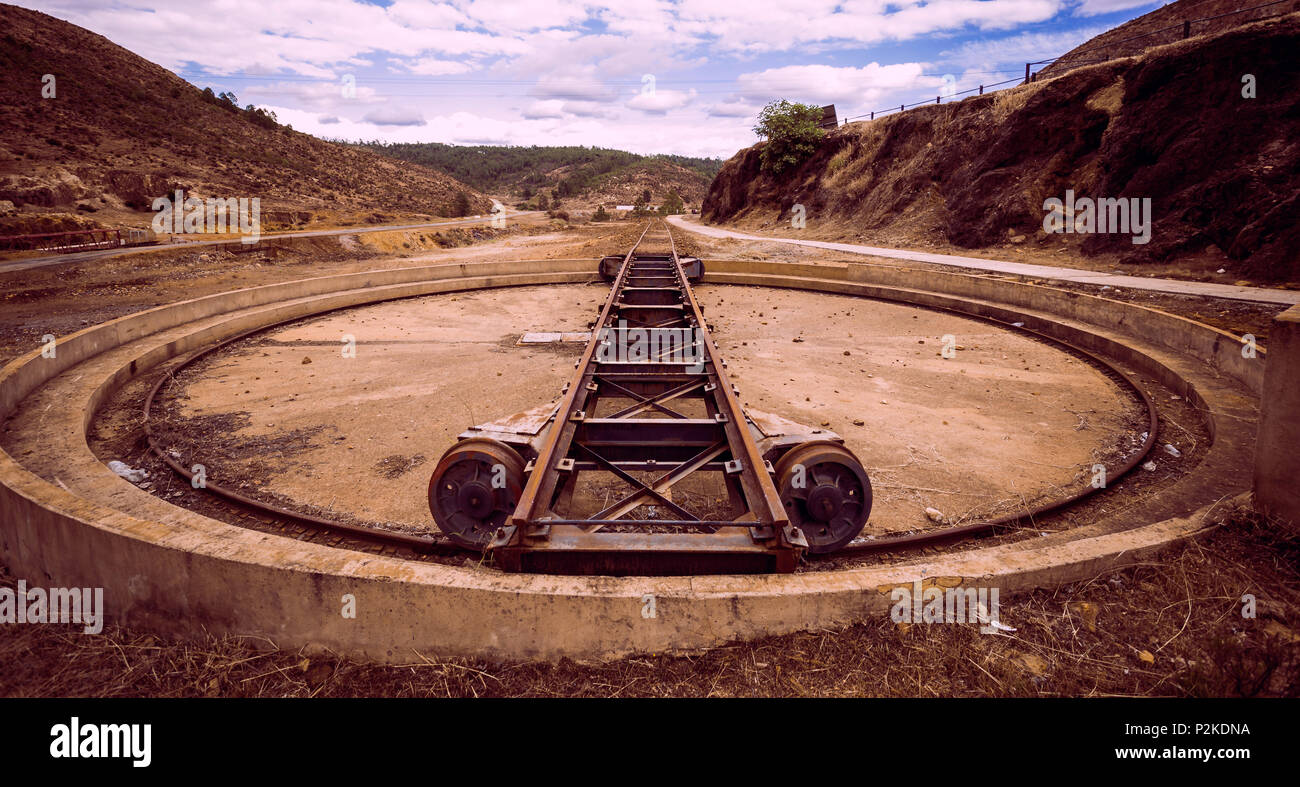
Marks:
<point>460,206</point>
<point>792,134</point>
<point>600,214</point>
<point>672,204</point>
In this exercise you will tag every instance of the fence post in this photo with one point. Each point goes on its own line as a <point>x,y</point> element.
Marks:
<point>873,115</point>
<point>1026,73</point>
<point>902,107</point>
<point>981,90</point>
<point>936,99</point>
<point>1187,28</point>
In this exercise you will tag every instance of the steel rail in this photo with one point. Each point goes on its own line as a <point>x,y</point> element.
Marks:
<point>421,544</point>
<point>546,457</point>
<point>650,292</point>
<point>736,429</point>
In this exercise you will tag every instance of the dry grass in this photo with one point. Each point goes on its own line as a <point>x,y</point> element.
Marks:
<point>1085,639</point>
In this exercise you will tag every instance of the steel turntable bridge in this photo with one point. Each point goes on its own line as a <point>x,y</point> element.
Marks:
<point>651,406</point>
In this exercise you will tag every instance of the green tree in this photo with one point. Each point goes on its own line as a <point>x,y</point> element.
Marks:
<point>600,214</point>
<point>645,197</point>
<point>792,134</point>
<point>672,204</point>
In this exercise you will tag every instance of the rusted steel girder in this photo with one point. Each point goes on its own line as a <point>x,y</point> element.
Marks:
<point>649,394</point>
<point>648,464</point>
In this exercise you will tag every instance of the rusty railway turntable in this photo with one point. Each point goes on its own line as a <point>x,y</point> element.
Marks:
<point>703,485</point>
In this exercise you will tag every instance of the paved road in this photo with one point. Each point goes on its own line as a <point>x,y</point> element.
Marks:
<point>1233,292</point>
<point>27,263</point>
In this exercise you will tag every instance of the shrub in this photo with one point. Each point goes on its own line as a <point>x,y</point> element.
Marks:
<point>460,206</point>
<point>792,134</point>
<point>672,204</point>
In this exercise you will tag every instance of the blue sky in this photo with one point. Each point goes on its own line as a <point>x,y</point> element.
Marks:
<point>652,76</point>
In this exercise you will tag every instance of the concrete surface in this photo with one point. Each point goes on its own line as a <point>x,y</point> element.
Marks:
<point>1277,455</point>
<point>162,567</point>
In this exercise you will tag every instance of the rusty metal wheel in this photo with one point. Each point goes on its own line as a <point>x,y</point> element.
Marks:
<point>474,488</point>
<point>825,492</point>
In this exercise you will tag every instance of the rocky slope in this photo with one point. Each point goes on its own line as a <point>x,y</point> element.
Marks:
<point>121,131</point>
<point>1164,25</point>
<point>1222,171</point>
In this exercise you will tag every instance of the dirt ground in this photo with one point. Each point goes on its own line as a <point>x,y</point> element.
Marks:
<point>62,299</point>
<point>287,416</point>
<point>1171,626</point>
<point>1181,610</point>
<point>1237,317</point>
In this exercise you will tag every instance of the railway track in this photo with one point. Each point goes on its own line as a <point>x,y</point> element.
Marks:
<point>651,407</point>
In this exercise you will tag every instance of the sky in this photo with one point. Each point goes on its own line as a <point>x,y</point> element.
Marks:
<point>651,76</point>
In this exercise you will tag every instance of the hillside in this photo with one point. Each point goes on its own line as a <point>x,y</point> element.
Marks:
<point>590,175</point>
<point>1222,171</point>
<point>1164,26</point>
<point>121,131</point>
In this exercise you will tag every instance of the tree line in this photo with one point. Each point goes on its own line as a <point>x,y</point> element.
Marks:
<point>495,167</point>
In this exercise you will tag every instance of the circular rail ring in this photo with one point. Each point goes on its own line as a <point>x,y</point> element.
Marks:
<point>987,527</point>
<point>427,545</point>
<point>420,544</point>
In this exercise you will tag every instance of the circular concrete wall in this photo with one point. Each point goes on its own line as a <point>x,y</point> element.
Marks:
<point>173,570</point>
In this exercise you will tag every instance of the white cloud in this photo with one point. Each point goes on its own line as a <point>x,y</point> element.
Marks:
<point>734,109</point>
<point>544,109</point>
<point>1018,49</point>
<point>657,102</point>
<point>1098,7</point>
<point>819,84</point>
<point>394,116</point>
<point>313,37</point>
<point>569,71</point>
<point>434,67</point>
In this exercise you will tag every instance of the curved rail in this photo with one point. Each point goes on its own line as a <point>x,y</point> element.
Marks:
<point>431,545</point>
<point>421,544</point>
<point>986,527</point>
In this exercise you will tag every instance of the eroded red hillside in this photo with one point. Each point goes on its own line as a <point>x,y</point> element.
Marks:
<point>1222,171</point>
<point>122,130</point>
